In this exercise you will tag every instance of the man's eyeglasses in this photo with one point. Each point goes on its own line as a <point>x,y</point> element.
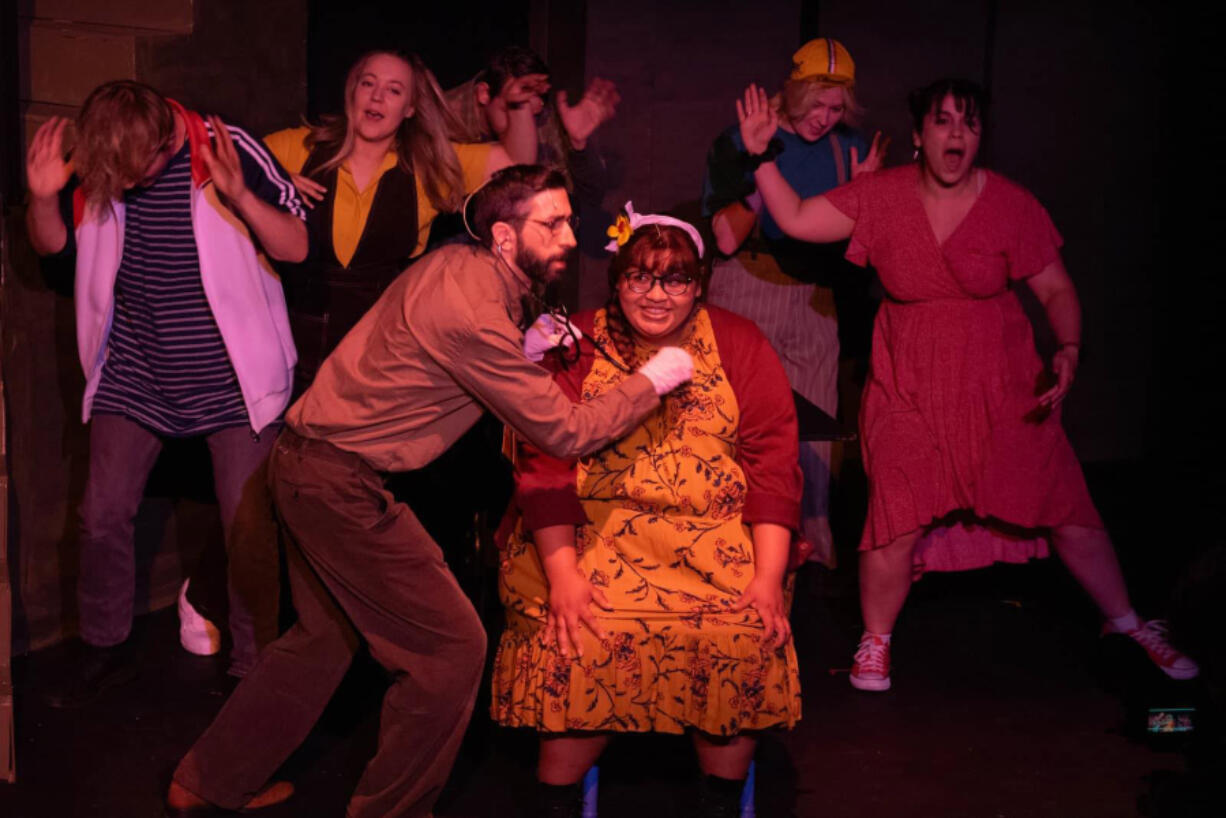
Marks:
<point>672,283</point>
<point>554,225</point>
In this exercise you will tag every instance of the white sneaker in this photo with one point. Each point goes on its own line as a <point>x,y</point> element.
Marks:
<point>1152,636</point>
<point>196,634</point>
<point>871,670</point>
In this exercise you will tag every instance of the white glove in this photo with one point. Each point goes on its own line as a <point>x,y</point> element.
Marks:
<point>668,369</point>
<point>547,332</point>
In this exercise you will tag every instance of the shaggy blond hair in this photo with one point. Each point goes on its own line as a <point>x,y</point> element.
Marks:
<point>120,129</point>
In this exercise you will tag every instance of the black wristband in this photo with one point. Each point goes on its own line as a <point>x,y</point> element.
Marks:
<point>772,150</point>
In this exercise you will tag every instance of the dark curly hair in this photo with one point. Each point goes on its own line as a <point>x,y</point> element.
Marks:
<point>969,98</point>
<point>504,198</point>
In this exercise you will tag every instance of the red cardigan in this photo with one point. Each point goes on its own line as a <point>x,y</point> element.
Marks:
<point>767,438</point>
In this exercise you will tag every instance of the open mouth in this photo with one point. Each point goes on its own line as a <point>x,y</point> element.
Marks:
<point>953,158</point>
<point>372,116</point>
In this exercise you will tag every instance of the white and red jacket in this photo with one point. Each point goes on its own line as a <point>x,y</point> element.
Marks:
<point>243,291</point>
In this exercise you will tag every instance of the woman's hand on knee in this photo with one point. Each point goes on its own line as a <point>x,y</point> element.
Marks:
<point>571,601</point>
<point>766,598</point>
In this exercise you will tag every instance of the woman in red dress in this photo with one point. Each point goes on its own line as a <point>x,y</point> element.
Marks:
<point>959,416</point>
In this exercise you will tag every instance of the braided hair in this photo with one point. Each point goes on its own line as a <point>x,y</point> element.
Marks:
<point>659,249</point>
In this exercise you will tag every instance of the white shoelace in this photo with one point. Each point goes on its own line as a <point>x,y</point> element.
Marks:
<point>1152,637</point>
<point>871,656</point>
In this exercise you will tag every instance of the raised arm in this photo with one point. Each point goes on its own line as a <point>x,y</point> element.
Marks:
<point>520,138</point>
<point>498,159</point>
<point>814,219</point>
<point>46,174</point>
<point>281,233</point>
<point>596,107</point>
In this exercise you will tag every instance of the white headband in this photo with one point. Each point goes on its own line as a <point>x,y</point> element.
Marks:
<point>622,229</point>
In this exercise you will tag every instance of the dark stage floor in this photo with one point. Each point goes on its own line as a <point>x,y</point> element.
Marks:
<point>1006,705</point>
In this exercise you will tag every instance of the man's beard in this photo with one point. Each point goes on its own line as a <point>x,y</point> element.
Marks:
<point>538,268</point>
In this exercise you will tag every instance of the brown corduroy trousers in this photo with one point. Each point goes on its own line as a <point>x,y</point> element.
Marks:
<point>361,567</point>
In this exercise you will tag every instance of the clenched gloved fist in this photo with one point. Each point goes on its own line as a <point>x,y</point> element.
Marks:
<point>668,369</point>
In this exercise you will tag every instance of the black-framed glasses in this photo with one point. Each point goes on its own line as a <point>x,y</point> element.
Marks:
<point>672,283</point>
<point>554,225</point>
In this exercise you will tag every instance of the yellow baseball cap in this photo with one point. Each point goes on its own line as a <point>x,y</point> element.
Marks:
<point>824,59</point>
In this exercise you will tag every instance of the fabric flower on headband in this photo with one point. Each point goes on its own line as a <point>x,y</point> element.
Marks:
<point>619,231</point>
<point>627,222</point>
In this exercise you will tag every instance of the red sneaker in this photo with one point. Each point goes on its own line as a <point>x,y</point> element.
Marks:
<point>1152,636</point>
<point>871,670</point>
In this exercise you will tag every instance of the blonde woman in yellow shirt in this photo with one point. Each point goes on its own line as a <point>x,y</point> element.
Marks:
<point>375,176</point>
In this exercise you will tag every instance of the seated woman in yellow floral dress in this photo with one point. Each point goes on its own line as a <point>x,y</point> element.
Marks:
<point>644,584</point>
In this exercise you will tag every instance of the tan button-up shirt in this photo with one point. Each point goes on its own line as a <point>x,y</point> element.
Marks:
<point>443,340</point>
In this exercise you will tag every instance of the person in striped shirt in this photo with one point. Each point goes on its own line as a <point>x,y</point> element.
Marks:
<point>182,332</point>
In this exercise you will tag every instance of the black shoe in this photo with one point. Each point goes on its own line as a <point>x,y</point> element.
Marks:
<point>558,800</point>
<point>719,797</point>
<point>95,670</point>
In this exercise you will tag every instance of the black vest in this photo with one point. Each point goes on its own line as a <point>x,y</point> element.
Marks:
<point>326,298</point>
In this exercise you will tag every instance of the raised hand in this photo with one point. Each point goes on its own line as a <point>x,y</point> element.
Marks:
<point>310,190</point>
<point>525,88</point>
<point>874,159</point>
<point>758,121</point>
<point>597,106</point>
<point>223,162</point>
<point>46,169</point>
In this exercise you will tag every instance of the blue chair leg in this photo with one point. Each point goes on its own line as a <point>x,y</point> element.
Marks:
<point>747,807</point>
<point>591,787</point>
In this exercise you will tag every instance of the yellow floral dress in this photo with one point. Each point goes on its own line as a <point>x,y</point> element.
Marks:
<point>666,543</point>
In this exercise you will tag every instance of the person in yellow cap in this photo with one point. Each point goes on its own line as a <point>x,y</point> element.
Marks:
<point>781,284</point>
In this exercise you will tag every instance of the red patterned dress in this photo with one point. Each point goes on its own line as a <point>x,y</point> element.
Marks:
<point>947,421</point>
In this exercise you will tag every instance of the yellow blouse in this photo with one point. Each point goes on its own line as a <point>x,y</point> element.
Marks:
<point>351,206</point>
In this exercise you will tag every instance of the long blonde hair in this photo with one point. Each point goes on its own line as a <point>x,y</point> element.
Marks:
<point>120,129</point>
<point>422,142</point>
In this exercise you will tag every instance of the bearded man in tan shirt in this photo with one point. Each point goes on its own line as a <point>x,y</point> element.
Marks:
<point>443,341</point>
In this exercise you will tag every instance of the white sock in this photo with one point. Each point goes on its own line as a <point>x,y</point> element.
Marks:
<point>884,637</point>
<point>1127,623</point>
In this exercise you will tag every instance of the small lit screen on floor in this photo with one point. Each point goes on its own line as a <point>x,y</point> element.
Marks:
<point>1171,719</point>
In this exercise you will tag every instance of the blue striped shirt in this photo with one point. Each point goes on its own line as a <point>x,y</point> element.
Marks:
<point>167,367</point>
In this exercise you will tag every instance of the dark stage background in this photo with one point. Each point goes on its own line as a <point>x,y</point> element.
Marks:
<point>1103,110</point>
